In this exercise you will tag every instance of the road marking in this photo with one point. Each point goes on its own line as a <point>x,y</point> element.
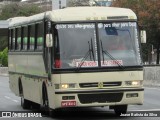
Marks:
<point>15,101</point>
<point>152,88</point>
<point>146,110</point>
<point>7,97</point>
<point>11,99</point>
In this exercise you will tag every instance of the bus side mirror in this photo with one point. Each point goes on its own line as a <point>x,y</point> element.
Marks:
<point>49,40</point>
<point>143,36</point>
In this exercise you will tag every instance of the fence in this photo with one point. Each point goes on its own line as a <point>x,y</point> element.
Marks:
<point>4,71</point>
<point>152,75</point>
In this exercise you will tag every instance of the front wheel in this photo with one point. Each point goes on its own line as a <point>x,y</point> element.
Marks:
<point>47,109</point>
<point>120,109</point>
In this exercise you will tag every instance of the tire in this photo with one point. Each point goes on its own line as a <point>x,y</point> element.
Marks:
<point>47,109</point>
<point>20,88</point>
<point>35,106</point>
<point>26,104</point>
<point>120,109</point>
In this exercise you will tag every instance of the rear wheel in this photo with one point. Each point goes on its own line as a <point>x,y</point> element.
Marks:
<point>26,104</point>
<point>35,106</point>
<point>120,109</point>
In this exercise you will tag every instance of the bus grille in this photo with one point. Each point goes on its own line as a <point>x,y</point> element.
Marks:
<point>105,84</point>
<point>100,98</point>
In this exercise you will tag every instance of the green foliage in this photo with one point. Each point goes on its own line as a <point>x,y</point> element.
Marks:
<point>73,3</point>
<point>15,10</point>
<point>3,42</point>
<point>4,57</point>
<point>148,15</point>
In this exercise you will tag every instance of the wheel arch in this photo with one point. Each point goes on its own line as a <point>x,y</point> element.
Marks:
<point>20,86</point>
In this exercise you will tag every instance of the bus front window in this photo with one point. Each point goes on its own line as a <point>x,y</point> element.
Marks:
<point>75,46</point>
<point>119,44</point>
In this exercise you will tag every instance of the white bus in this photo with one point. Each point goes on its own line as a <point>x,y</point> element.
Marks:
<point>77,57</point>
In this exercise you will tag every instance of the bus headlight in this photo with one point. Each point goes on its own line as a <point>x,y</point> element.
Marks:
<point>134,83</point>
<point>64,86</point>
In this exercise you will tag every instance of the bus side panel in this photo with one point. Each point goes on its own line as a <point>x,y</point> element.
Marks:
<point>32,71</point>
<point>36,69</point>
<point>56,79</point>
<point>13,79</point>
<point>32,83</point>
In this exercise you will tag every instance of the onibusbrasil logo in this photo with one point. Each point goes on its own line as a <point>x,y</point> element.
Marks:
<point>19,114</point>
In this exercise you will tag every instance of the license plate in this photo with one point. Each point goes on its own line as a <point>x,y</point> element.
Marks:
<point>68,103</point>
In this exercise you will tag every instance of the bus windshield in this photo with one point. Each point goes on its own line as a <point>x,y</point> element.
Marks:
<point>78,45</point>
<point>119,44</point>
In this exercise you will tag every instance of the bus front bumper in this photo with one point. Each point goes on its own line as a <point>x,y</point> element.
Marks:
<point>98,97</point>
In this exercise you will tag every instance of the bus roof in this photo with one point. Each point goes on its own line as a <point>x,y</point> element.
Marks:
<point>77,14</point>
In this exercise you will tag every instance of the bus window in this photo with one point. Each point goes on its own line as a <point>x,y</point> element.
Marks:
<point>13,39</point>
<point>39,30</point>
<point>18,38</point>
<point>25,38</point>
<point>32,37</point>
<point>10,38</point>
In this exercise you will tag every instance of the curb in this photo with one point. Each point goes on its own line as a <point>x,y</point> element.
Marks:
<point>4,75</point>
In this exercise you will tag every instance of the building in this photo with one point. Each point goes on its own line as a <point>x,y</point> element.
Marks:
<point>59,4</point>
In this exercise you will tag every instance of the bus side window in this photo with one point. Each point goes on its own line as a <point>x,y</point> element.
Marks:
<point>10,39</point>
<point>25,38</point>
<point>40,38</point>
<point>13,39</point>
<point>32,37</point>
<point>18,38</point>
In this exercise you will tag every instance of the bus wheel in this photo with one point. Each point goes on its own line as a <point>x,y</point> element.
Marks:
<point>47,109</point>
<point>120,109</point>
<point>26,104</point>
<point>35,106</point>
<point>20,87</point>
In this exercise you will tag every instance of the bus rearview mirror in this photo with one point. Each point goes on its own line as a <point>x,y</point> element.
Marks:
<point>143,36</point>
<point>49,40</point>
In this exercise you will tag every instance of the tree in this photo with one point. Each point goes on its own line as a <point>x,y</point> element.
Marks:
<point>11,0</point>
<point>4,57</point>
<point>149,18</point>
<point>3,42</point>
<point>73,3</point>
<point>16,9</point>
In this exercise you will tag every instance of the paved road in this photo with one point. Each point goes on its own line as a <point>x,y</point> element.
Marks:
<point>10,102</point>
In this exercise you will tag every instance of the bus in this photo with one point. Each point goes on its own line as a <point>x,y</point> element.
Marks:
<point>77,57</point>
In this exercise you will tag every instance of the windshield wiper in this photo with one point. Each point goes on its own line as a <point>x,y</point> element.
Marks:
<point>108,54</point>
<point>89,53</point>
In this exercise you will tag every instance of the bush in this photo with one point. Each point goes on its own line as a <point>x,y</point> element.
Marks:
<point>1,54</point>
<point>4,57</point>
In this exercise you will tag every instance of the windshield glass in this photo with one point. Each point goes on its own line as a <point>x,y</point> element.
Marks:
<point>75,46</point>
<point>119,44</point>
<point>78,45</point>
